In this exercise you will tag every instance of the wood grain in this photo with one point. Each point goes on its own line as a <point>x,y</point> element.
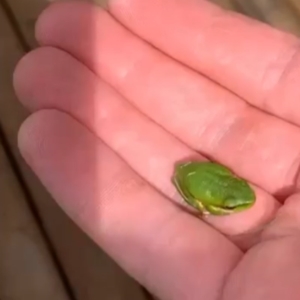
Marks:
<point>295,4</point>
<point>27,271</point>
<point>277,13</point>
<point>91,274</point>
<point>227,4</point>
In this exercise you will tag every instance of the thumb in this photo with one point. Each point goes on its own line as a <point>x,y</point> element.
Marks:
<point>271,269</point>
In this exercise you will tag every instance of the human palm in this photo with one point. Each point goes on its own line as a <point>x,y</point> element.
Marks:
<point>119,97</point>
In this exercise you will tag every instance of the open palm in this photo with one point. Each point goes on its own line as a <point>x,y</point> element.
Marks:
<point>118,97</point>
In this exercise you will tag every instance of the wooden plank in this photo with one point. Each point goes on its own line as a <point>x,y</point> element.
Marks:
<point>102,3</point>
<point>277,13</point>
<point>27,271</point>
<point>91,274</point>
<point>227,4</point>
<point>295,4</point>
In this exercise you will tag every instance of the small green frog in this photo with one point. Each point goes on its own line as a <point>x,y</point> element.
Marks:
<point>212,188</point>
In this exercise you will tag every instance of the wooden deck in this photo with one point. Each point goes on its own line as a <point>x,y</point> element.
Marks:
<point>43,255</point>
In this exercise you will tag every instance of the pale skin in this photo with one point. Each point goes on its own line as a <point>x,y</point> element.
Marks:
<point>111,115</point>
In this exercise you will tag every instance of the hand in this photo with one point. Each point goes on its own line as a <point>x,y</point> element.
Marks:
<point>112,114</point>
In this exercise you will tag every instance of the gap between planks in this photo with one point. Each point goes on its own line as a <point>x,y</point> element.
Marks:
<point>27,271</point>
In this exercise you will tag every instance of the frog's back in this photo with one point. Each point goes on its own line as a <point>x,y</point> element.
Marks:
<point>215,183</point>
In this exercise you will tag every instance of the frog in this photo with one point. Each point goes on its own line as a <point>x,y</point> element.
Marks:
<point>212,188</point>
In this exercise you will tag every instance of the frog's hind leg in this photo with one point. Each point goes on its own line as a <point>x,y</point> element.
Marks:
<point>214,210</point>
<point>236,204</point>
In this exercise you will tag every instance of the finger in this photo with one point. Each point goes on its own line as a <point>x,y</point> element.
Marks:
<point>59,81</point>
<point>152,239</point>
<point>271,269</point>
<point>203,115</point>
<point>255,61</point>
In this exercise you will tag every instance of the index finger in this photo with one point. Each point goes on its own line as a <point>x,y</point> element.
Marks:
<point>257,62</point>
<point>161,246</point>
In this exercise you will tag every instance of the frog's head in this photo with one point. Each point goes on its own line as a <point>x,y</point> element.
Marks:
<point>239,195</point>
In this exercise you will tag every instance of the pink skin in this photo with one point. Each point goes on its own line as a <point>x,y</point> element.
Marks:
<point>112,114</point>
